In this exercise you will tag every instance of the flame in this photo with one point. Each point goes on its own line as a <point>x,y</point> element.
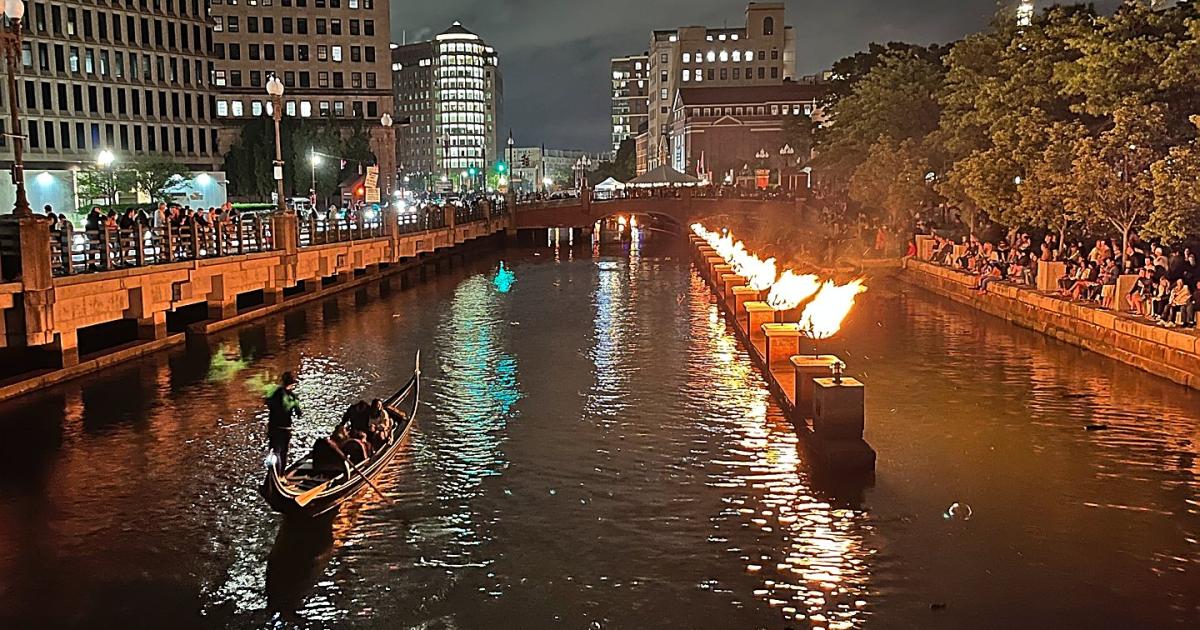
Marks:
<point>823,317</point>
<point>760,274</point>
<point>791,289</point>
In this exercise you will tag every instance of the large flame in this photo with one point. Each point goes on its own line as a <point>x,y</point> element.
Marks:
<point>791,289</point>
<point>823,317</point>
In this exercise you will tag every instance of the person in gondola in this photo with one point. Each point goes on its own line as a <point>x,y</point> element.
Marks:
<point>356,448</point>
<point>282,405</point>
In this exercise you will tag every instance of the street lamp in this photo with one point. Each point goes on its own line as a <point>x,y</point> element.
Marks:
<point>511,146</point>
<point>10,39</point>
<point>762,154</point>
<point>275,91</point>
<point>582,165</point>
<point>105,160</point>
<point>389,152</point>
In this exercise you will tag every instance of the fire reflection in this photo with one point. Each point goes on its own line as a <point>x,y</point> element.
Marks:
<point>805,550</point>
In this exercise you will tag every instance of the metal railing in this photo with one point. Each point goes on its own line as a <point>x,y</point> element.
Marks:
<point>318,231</point>
<point>108,248</point>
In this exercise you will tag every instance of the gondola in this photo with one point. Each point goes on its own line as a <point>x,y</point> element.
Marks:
<point>304,491</point>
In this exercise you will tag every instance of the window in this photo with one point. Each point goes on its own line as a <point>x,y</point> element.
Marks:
<point>737,55</point>
<point>321,26</point>
<point>252,24</point>
<point>323,79</point>
<point>768,26</point>
<point>663,58</point>
<point>687,74</point>
<point>663,94</point>
<point>233,24</point>
<point>724,74</point>
<point>322,53</point>
<point>737,73</point>
<point>712,56</point>
<point>355,54</point>
<point>774,72</point>
<point>287,25</point>
<point>236,109</point>
<point>774,55</point>
<point>369,28</point>
<point>222,108</point>
<point>337,53</point>
<point>687,57</point>
<point>354,27</point>
<point>762,55</point>
<point>762,72</point>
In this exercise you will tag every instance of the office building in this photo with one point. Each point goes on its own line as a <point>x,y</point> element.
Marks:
<point>130,78</point>
<point>332,56</point>
<point>762,52</point>
<point>451,93</point>
<point>629,102</point>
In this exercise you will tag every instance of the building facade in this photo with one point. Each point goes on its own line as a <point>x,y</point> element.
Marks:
<point>450,91</point>
<point>538,169</point>
<point>629,102</point>
<point>727,134</point>
<point>331,55</point>
<point>128,78</point>
<point>762,52</point>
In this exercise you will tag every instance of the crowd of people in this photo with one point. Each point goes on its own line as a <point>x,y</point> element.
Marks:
<point>1164,290</point>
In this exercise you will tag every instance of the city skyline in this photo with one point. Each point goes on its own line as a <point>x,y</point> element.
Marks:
<point>571,46</point>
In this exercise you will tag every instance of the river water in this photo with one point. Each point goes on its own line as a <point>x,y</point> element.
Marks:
<point>594,451</point>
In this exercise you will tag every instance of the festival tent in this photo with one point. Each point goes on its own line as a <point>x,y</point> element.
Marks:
<point>609,185</point>
<point>663,176</point>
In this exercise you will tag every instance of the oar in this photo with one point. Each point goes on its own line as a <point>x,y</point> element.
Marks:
<point>307,497</point>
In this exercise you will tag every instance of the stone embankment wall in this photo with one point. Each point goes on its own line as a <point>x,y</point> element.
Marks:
<point>1170,353</point>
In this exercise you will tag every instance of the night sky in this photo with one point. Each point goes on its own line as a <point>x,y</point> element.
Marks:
<point>555,53</point>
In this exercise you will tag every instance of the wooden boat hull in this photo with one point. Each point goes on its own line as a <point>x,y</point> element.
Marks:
<point>281,490</point>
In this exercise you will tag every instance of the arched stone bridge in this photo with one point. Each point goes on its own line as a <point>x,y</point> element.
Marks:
<point>683,210</point>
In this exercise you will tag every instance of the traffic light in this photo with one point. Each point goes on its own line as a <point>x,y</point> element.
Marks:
<point>501,167</point>
<point>472,171</point>
<point>525,161</point>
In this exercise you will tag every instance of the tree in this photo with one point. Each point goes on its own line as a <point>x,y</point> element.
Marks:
<point>1044,198</point>
<point>323,138</point>
<point>103,184</point>
<point>892,179</point>
<point>1176,179</point>
<point>248,163</point>
<point>894,100</point>
<point>153,176</point>
<point>799,132</point>
<point>621,168</point>
<point>1111,182</point>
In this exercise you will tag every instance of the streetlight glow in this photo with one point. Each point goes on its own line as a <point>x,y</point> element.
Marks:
<point>105,158</point>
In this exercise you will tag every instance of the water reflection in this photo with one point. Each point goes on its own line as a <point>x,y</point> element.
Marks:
<point>808,553</point>
<point>595,448</point>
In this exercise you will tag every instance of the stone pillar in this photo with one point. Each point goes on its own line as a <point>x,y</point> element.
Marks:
<point>222,303</point>
<point>716,269</point>
<point>31,265</point>
<point>273,296</point>
<point>726,283</point>
<point>757,314</point>
<point>838,423</point>
<point>1049,273</point>
<point>153,327</point>
<point>783,342</point>
<point>807,368</point>
<point>706,267</point>
<point>741,295</point>
<point>66,349</point>
<point>285,233</point>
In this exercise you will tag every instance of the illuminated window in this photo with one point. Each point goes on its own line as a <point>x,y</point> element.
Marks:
<point>712,56</point>
<point>687,57</point>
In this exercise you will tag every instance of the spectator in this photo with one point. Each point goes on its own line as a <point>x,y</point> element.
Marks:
<point>1177,312</point>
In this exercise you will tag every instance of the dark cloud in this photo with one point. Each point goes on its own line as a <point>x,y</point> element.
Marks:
<point>555,54</point>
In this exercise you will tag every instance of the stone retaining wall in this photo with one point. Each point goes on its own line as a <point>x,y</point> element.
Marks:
<point>1170,353</point>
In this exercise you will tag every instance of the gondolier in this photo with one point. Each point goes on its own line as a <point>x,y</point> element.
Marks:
<point>282,405</point>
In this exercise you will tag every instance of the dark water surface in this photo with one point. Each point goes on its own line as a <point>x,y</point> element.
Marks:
<point>596,452</point>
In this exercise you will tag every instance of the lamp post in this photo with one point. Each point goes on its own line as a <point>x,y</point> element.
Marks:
<point>582,165</point>
<point>785,157</point>
<point>314,160</point>
<point>387,160</point>
<point>10,39</point>
<point>275,90</point>
<point>511,146</point>
<point>105,161</point>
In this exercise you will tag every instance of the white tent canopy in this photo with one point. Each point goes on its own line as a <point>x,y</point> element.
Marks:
<point>610,184</point>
